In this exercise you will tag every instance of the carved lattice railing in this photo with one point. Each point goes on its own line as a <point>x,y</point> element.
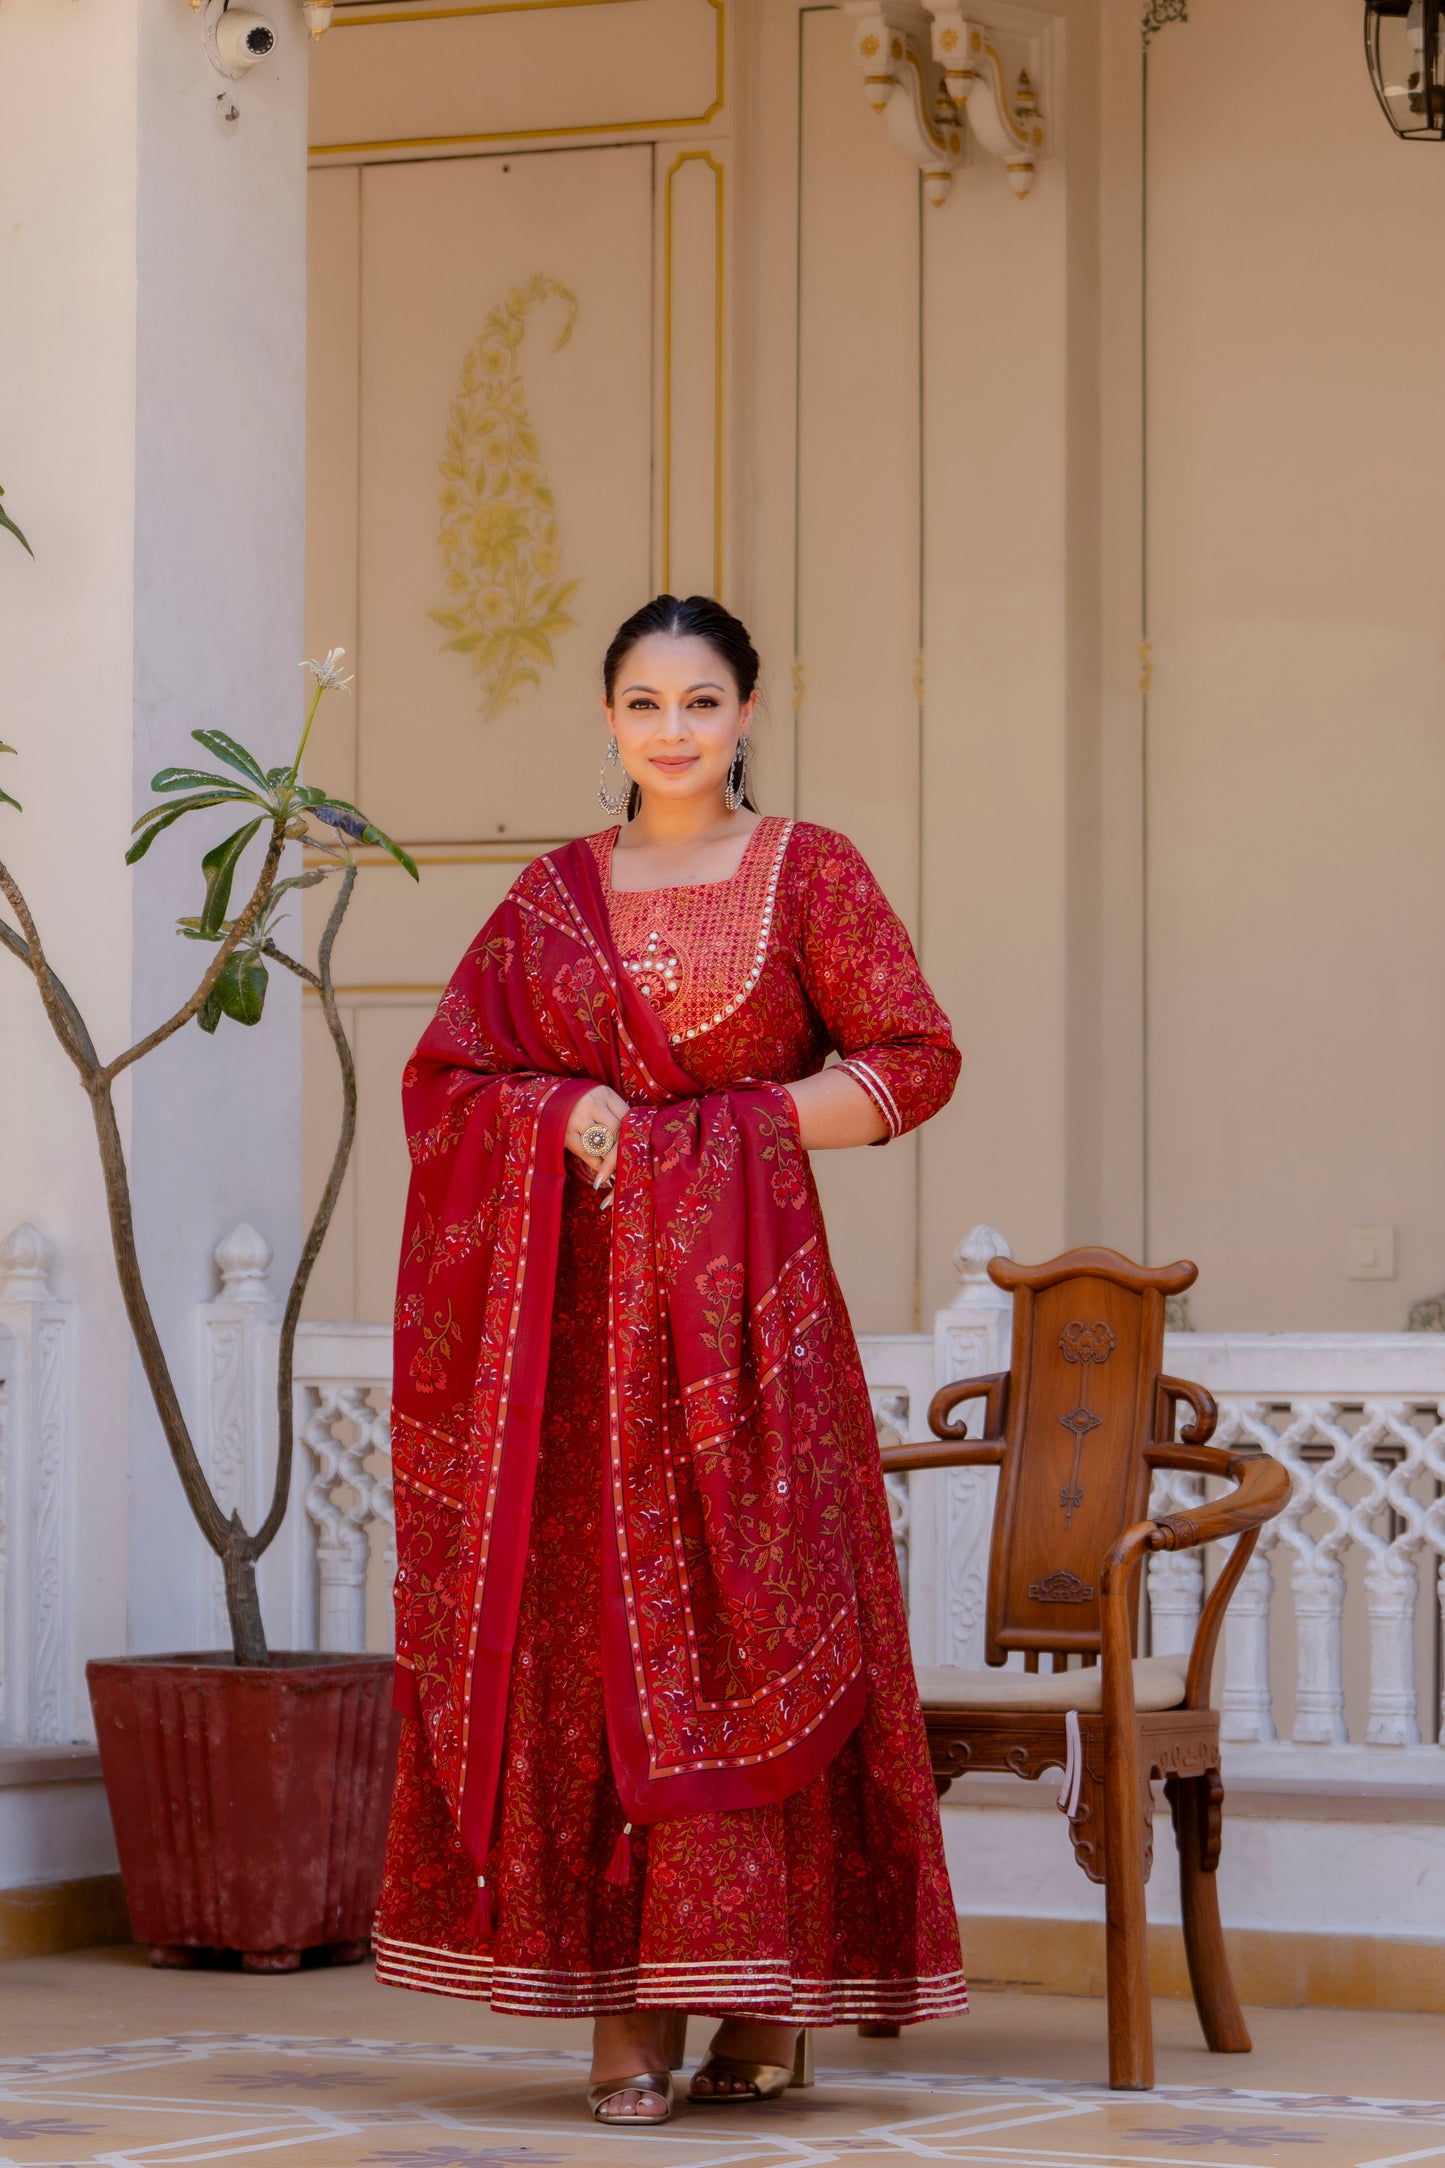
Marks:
<point>1331,1662</point>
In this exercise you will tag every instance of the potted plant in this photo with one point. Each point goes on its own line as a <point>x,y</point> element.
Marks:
<point>248,1789</point>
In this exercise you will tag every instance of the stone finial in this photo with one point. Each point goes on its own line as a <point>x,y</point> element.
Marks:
<point>25,1261</point>
<point>244,1258</point>
<point>972,1259</point>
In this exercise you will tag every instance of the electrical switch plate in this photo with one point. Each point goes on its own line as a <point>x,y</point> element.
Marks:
<point>1370,1253</point>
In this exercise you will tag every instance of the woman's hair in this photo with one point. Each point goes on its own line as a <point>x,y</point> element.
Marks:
<point>695,617</point>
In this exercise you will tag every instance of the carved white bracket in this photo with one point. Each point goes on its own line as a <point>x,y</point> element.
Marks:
<point>890,47</point>
<point>976,77</point>
<point>934,74</point>
<point>37,1457</point>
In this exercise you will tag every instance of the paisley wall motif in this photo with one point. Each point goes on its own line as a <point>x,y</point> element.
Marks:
<point>499,539</point>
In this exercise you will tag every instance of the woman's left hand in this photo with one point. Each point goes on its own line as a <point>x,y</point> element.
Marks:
<point>600,1109</point>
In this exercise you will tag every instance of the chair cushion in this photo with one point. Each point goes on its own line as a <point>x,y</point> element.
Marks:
<point>1158,1684</point>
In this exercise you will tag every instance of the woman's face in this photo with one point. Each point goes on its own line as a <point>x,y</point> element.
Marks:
<point>676,715</point>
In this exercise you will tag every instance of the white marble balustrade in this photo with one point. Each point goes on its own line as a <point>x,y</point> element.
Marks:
<point>1331,1663</point>
<point>1330,1668</point>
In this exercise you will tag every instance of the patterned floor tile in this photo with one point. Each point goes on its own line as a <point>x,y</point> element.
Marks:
<point>355,2103</point>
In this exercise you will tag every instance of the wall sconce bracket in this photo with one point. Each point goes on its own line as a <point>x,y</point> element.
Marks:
<point>938,76</point>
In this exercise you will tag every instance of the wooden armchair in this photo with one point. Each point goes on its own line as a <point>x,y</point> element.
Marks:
<point>1076,1428</point>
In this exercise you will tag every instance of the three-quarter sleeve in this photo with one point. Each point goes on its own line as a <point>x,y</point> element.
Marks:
<point>862,977</point>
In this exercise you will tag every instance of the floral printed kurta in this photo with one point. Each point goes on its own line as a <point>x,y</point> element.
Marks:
<point>828,1905</point>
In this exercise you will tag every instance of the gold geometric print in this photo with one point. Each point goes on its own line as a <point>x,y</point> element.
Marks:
<point>500,543</point>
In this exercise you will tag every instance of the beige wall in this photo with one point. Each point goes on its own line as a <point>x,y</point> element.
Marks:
<point>1295,752</point>
<point>1186,937</point>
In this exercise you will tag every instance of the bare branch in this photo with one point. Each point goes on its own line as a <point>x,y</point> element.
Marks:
<point>70,1028</point>
<point>65,1019</point>
<point>239,929</point>
<point>311,1249</point>
<point>209,1517</point>
<point>279,956</point>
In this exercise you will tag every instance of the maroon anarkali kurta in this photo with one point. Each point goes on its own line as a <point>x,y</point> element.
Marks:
<point>647,1577</point>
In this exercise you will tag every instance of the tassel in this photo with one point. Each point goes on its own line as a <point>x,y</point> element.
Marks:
<point>1073,1766</point>
<point>619,1867</point>
<point>486,1910</point>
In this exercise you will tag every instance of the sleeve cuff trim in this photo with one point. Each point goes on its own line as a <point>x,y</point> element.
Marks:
<point>877,1091</point>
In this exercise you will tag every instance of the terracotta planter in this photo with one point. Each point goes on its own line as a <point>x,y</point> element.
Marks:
<point>249,1804</point>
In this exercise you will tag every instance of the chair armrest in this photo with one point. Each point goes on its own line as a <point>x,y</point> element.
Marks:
<point>1263,1488</point>
<point>908,1459</point>
<point>966,1452</point>
<point>1168,1392</point>
<point>993,1390</point>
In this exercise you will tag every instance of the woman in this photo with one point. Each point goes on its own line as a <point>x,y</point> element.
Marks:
<point>662,1748</point>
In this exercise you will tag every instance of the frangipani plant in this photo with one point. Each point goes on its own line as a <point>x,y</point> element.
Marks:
<point>280,809</point>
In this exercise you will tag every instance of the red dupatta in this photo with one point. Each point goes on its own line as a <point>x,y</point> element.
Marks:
<point>731,1648</point>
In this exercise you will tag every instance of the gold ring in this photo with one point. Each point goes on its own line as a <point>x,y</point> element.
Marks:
<point>598,1140</point>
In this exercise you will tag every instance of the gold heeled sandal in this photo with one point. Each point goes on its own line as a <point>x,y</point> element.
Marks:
<point>657,2083</point>
<point>766,2080</point>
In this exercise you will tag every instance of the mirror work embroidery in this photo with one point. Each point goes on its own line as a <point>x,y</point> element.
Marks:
<point>696,953</point>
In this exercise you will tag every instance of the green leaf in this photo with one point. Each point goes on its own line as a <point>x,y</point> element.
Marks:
<point>300,880</point>
<point>209,1013</point>
<point>372,834</point>
<point>219,867</point>
<point>193,931</point>
<point>234,754</point>
<point>7,522</point>
<point>6,799</point>
<point>199,779</point>
<point>160,817</point>
<point>394,850</point>
<point>241,987</point>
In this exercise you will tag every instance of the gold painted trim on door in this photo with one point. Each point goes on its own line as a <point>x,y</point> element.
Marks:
<point>519,852</point>
<point>437,15</point>
<point>528,135</point>
<point>413,987</point>
<point>686,158</point>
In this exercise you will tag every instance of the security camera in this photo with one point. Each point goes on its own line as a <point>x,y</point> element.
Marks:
<point>243,38</point>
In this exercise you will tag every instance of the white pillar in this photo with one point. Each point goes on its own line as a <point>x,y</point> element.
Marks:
<point>952,1513</point>
<point>37,1490</point>
<point>152,349</point>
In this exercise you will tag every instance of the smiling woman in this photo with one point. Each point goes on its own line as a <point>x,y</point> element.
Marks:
<point>663,1748</point>
<point>672,640</point>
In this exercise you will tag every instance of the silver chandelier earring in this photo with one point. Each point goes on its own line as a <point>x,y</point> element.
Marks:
<point>735,790</point>
<point>611,804</point>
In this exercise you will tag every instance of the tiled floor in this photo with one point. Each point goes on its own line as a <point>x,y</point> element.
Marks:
<point>103,2061</point>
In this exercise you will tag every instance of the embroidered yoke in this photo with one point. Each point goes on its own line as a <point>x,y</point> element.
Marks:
<point>826,1906</point>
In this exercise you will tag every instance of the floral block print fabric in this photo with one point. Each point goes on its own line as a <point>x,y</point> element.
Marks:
<point>696,1626</point>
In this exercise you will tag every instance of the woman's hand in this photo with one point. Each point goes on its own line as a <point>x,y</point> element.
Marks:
<point>602,1108</point>
<point>835,1111</point>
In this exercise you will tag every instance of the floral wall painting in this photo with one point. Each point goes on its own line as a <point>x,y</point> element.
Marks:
<point>500,543</point>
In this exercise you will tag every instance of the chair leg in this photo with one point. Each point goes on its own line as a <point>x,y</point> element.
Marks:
<point>1126,1928</point>
<point>1196,1804</point>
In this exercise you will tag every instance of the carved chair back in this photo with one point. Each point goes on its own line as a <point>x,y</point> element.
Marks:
<point>1083,1401</point>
